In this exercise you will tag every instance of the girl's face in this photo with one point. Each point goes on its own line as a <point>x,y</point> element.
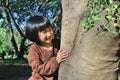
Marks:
<point>46,35</point>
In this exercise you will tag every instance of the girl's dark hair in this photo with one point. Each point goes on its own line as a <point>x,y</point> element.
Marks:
<point>35,24</point>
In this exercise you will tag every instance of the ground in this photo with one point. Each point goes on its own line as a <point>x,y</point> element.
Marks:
<point>15,71</point>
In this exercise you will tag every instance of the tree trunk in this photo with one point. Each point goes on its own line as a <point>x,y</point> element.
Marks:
<point>22,48</point>
<point>93,54</point>
<point>12,32</point>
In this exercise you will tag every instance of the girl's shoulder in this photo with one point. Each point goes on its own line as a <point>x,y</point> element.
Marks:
<point>35,47</point>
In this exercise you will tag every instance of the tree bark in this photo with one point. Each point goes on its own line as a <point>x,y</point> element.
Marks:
<point>93,54</point>
<point>22,48</point>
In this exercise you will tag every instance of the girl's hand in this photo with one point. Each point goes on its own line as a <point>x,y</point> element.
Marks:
<point>61,56</point>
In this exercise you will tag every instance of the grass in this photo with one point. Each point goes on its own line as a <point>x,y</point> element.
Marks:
<point>14,62</point>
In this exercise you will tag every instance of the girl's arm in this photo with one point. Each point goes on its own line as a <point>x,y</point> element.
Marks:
<point>46,68</point>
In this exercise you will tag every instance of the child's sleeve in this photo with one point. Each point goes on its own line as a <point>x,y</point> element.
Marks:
<point>46,68</point>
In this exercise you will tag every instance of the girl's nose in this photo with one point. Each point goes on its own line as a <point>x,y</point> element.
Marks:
<point>48,34</point>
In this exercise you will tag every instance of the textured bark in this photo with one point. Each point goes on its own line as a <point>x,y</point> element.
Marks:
<point>93,54</point>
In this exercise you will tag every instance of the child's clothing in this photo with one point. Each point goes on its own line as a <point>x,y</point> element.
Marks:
<point>43,63</point>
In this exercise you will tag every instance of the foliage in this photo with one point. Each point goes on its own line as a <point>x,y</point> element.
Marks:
<point>3,20</point>
<point>25,8</point>
<point>5,43</point>
<point>14,13</point>
<point>113,14</point>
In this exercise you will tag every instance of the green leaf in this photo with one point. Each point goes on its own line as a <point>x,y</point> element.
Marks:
<point>115,6</point>
<point>109,17</point>
<point>95,18</point>
<point>111,1</point>
<point>51,4</point>
<point>115,24</point>
<point>108,9</point>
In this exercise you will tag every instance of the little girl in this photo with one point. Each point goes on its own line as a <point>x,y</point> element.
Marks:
<point>44,56</point>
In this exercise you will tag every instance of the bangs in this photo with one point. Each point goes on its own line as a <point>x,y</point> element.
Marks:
<point>44,26</point>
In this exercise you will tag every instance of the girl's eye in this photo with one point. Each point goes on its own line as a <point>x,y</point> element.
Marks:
<point>50,29</point>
